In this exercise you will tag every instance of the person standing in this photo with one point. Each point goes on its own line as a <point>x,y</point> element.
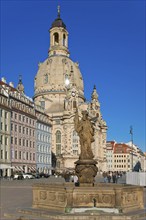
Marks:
<point>114,177</point>
<point>109,177</point>
<point>76,181</point>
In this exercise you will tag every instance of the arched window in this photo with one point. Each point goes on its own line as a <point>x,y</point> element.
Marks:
<point>75,143</point>
<point>74,104</point>
<point>64,40</point>
<point>56,38</point>
<point>58,142</point>
<point>42,103</point>
<point>58,164</point>
<point>46,78</point>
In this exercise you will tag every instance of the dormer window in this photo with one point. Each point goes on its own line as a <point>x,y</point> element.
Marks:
<point>56,38</point>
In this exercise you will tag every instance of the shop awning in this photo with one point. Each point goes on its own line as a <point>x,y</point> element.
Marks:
<point>17,168</point>
<point>21,169</point>
<point>33,168</point>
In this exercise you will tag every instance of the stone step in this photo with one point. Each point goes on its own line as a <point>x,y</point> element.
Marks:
<point>31,214</point>
<point>138,214</point>
<point>18,216</point>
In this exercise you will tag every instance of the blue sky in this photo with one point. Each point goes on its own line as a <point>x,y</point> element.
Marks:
<point>107,38</point>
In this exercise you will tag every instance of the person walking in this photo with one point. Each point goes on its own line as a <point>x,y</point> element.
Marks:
<point>114,177</point>
<point>76,181</point>
<point>104,176</point>
<point>109,177</point>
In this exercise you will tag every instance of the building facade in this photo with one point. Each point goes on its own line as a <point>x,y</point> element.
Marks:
<point>23,128</point>
<point>59,88</point>
<point>123,157</point>
<point>43,143</point>
<point>5,136</point>
<point>110,154</point>
<point>19,119</point>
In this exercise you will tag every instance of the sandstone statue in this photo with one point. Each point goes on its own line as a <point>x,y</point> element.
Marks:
<point>85,130</point>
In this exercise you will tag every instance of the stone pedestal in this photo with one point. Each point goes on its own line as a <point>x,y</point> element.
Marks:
<point>86,170</point>
<point>65,196</point>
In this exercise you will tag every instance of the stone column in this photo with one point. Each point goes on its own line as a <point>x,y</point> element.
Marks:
<point>4,172</point>
<point>26,169</point>
<point>8,172</point>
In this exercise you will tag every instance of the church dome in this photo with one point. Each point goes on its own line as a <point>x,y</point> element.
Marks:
<point>52,74</point>
<point>58,78</point>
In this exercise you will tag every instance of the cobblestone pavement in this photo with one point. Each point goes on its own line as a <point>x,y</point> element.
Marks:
<point>17,194</point>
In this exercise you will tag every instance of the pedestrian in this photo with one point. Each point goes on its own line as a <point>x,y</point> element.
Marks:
<point>104,176</point>
<point>109,177</point>
<point>76,181</point>
<point>114,177</point>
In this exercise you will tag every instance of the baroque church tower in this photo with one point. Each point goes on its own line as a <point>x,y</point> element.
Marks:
<point>59,89</point>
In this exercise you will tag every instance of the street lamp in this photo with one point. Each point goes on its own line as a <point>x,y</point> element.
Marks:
<point>131,133</point>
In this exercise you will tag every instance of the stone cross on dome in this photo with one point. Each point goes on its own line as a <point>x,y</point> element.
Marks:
<point>58,9</point>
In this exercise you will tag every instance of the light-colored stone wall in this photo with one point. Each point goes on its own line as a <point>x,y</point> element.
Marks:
<point>59,87</point>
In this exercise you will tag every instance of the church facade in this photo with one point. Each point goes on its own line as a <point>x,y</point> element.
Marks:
<point>59,89</point>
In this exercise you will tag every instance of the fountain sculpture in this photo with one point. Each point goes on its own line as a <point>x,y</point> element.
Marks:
<point>66,196</point>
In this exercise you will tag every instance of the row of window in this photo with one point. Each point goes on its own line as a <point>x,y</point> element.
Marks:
<point>3,114</point>
<point>4,155</point>
<point>3,140</point>
<point>27,143</point>
<point>23,155</point>
<point>121,166</point>
<point>23,118</point>
<point>119,161</point>
<point>43,159</point>
<point>22,142</point>
<point>109,161</point>
<point>116,155</point>
<point>43,127</point>
<point>109,155</point>
<point>3,127</point>
<point>22,129</point>
<point>120,155</point>
<point>43,138</point>
<point>44,149</point>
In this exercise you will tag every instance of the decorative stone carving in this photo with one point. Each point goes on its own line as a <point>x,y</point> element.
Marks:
<point>86,171</point>
<point>85,168</point>
<point>43,195</point>
<point>128,198</point>
<point>52,196</point>
<point>61,197</point>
